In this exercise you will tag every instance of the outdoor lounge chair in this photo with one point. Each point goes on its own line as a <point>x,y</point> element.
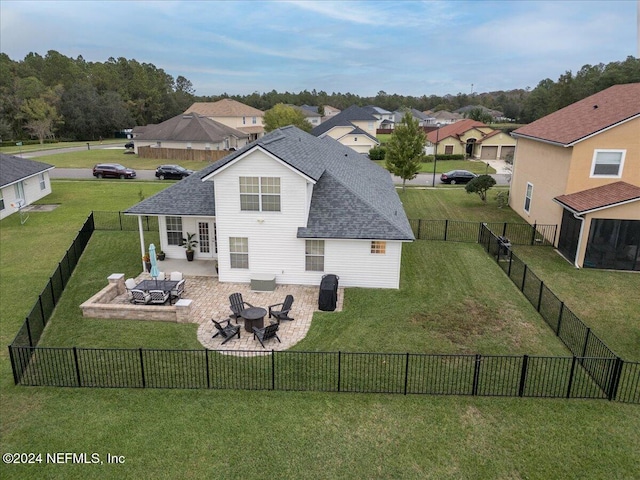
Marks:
<point>159,296</point>
<point>140,296</point>
<point>264,334</point>
<point>130,284</point>
<point>227,331</point>
<point>283,312</point>
<point>237,305</point>
<point>179,290</point>
<point>176,276</point>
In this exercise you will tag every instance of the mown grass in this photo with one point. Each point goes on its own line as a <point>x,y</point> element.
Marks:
<point>17,150</point>
<point>260,434</point>
<point>476,166</point>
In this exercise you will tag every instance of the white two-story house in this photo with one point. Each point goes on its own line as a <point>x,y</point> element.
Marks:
<point>291,206</point>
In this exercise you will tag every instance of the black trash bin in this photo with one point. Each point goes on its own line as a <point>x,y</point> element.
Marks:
<point>503,246</point>
<point>328,296</point>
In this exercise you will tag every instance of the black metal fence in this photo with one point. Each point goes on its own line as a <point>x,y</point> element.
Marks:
<point>460,231</point>
<point>398,373</point>
<point>573,332</point>
<point>593,372</point>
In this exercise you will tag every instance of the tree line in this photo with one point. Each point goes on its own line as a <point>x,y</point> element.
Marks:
<point>54,96</point>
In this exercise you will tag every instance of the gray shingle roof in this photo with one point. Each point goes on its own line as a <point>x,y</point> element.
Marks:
<point>14,169</point>
<point>190,128</point>
<point>344,118</point>
<point>353,197</point>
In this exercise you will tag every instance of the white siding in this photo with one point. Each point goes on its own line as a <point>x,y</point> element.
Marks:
<point>32,193</point>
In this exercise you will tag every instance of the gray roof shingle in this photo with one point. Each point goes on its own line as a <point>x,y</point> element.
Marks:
<point>190,128</point>
<point>14,169</point>
<point>344,118</point>
<point>353,197</point>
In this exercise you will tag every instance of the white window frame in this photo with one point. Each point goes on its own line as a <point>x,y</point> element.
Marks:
<point>314,252</point>
<point>266,188</point>
<point>43,184</point>
<point>239,253</point>
<point>1,200</point>
<point>174,225</point>
<point>594,163</point>
<point>528,197</point>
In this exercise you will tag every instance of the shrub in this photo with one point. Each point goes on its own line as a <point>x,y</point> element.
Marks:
<point>377,153</point>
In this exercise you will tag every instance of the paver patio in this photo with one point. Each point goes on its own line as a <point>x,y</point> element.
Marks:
<point>211,300</point>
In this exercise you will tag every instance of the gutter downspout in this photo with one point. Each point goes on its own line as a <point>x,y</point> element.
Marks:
<point>578,217</point>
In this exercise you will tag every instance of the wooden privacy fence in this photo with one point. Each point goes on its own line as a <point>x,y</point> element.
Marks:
<point>180,155</point>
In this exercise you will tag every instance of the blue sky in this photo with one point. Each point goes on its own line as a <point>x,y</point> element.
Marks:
<point>404,47</point>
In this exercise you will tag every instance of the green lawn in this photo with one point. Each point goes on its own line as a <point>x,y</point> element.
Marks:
<point>17,150</point>
<point>442,166</point>
<point>256,434</point>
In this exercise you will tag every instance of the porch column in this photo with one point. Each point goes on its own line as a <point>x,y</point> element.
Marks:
<point>142,247</point>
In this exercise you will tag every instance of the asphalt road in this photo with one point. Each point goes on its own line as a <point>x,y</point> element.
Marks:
<point>422,180</point>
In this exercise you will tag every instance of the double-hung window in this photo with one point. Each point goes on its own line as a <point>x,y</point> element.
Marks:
<point>260,194</point>
<point>378,247</point>
<point>239,252</point>
<point>43,184</point>
<point>607,163</point>
<point>527,197</point>
<point>314,255</point>
<point>174,230</point>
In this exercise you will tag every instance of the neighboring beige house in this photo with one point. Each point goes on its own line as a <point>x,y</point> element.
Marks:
<point>329,112</point>
<point>354,127</point>
<point>191,131</point>
<point>310,113</point>
<point>233,114</point>
<point>579,168</point>
<point>22,182</point>
<point>443,117</point>
<point>473,139</point>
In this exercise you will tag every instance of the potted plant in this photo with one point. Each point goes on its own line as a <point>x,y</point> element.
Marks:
<point>147,262</point>
<point>189,243</point>
<point>161,255</point>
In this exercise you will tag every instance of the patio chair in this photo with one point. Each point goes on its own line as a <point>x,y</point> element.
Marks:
<point>160,276</point>
<point>237,305</point>
<point>159,296</point>
<point>179,290</point>
<point>283,312</point>
<point>130,284</point>
<point>175,276</point>
<point>227,331</point>
<point>264,334</point>
<point>140,296</point>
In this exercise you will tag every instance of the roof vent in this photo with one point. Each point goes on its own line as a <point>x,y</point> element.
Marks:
<point>595,106</point>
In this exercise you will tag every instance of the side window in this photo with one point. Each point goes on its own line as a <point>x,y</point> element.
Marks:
<point>239,252</point>
<point>314,255</point>
<point>174,230</point>
<point>607,163</point>
<point>527,197</point>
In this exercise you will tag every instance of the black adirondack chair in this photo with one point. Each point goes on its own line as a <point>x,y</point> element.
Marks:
<point>237,305</point>
<point>227,331</point>
<point>264,334</point>
<point>283,312</point>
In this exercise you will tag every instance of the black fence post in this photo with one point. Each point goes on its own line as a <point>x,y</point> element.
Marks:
<point>573,368</point>
<point>446,228</point>
<point>406,373</point>
<point>41,309</point>
<point>120,219</point>
<point>273,369</point>
<point>476,375</point>
<point>144,383</point>
<point>419,228</point>
<point>540,295</point>
<point>13,365</point>
<point>75,359</point>
<point>615,378</point>
<point>53,293</point>
<point>339,367</point>
<point>560,318</point>
<point>533,233</point>
<point>206,358</point>
<point>586,341</point>
<point>510,262</point>
<point>524,277</point>
<point>523,375</point>
<point>29,331</point>
<point>504,229</point>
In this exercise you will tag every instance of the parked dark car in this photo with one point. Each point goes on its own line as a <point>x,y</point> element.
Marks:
<point>113,170</point>
<point>457,176</point>
<point>128,145</point>
<point>172,171</point>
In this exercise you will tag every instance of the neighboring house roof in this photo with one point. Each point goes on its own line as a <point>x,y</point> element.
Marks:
<point>224,108</point>
<point>140,129</point>
<point>311,108</point>
<point>190,128</point>
<point>352,198</point>
<point>13,169</point>
<point>454,130</point>
<point>444,115</point>
<point>373,110</point>
<point>344,118</point>
<point>586,117</point>
<point>598,198</point>
<point>468,108</point>
<point>307,112</point>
